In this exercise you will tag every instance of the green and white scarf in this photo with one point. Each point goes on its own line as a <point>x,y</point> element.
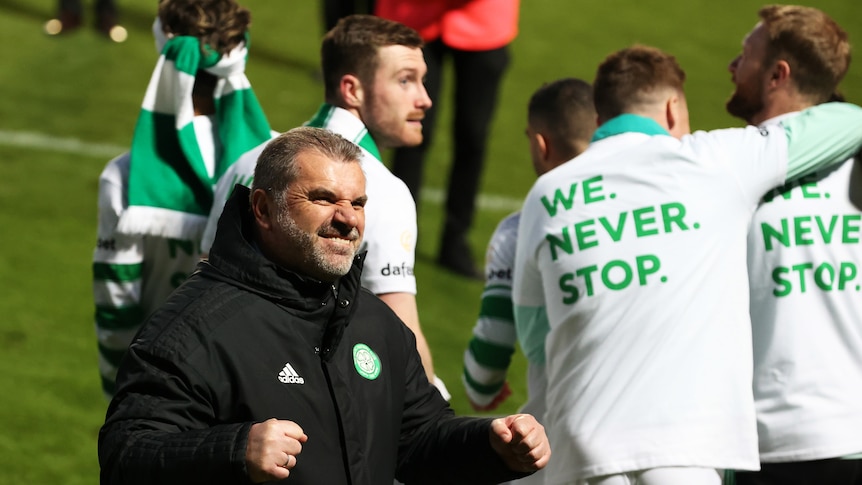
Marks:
<point>170,191</point>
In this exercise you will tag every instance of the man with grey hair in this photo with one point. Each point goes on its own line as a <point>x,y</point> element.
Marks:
<point>272,349</point>
<point>373,73</point>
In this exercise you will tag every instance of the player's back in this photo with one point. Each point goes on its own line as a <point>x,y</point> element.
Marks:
<point>640,244</point>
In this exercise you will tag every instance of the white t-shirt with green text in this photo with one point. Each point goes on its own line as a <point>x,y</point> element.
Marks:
<point>637,252</point>
<point>805,272</point>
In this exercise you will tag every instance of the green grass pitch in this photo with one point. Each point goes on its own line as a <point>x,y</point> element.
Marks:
<point>67,105</point>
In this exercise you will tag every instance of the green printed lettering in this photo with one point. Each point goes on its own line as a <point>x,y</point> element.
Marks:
<point>826,233</point>
<point>848,229</point>
<point>616,233</point>
<point>783,191</point>
<point>826,276</point>
<point>809,189</point>
<point>769,233</point>
<point>583,230</point>
<point>641,220</point>
<point>785,286</point>
<point>800,268</point>
<point>186,245</point>
<point>571,289</point>
<point>807,183</point>
<point>559,197</point>
<point>589,189</point>
<point>818,276</point>
<point>643,269</point>
<point>673,212</point>
<point>627,274</point>
<point>846,273</point>
<point>588,279</point>
<point>801,230</point>
<point>616,275</point>
<point>565,244</point>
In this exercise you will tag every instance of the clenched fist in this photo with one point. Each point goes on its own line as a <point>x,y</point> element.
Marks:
<point>272,450</point>
<point>521,442</point>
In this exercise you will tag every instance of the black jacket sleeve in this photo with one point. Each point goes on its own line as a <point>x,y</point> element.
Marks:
<point>160,429</point>
<point>438,447</point>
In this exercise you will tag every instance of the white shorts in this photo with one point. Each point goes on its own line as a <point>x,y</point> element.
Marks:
<point>660,476</point>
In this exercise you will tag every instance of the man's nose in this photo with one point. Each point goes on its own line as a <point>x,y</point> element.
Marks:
<point>424,101</point>
<point>347,214</point>
<point>732,66</point>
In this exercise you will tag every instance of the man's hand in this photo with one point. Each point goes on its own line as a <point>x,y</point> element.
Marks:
<point>501,396</point>
<point>272,449</point>
<point>521,442</point>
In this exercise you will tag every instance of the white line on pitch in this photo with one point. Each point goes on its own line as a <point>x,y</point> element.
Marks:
<point>44,141</point>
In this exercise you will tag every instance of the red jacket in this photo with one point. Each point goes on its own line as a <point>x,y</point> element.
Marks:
<point>470,25</point>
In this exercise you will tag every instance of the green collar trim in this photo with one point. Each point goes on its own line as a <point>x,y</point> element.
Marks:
<point>629,123</point>
<point>345,124</point>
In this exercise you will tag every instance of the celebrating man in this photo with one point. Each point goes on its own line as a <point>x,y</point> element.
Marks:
<point>272,361</point>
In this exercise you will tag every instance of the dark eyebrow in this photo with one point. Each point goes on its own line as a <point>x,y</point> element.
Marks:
<point>321,193</point>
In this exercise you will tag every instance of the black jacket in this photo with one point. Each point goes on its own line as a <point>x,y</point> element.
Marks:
<point>243,340</point>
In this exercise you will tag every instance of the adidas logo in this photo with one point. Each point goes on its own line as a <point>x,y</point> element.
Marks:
<point>288,375</point>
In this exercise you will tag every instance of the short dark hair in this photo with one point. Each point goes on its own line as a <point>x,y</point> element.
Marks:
<point>351,48</point>
<point>219,24</point>
<point>563,111</point>
<point>631,77</point>
<point>814,45</point>
<point>276,166</point>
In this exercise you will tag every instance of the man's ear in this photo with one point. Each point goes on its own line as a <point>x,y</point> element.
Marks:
<point>671,109</point>
<point>540,152</point>
<point>780,74</point>
<point>676,114</point>
<point>351,91</point>
<point>542,145</point>
<point>263,209</point>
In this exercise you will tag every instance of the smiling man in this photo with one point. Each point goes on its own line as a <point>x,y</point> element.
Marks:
<point>271,362</point>
<point>316,221</point>
<point>373,72</point>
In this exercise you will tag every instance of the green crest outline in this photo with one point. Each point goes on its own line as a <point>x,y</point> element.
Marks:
<point>366,362</point>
